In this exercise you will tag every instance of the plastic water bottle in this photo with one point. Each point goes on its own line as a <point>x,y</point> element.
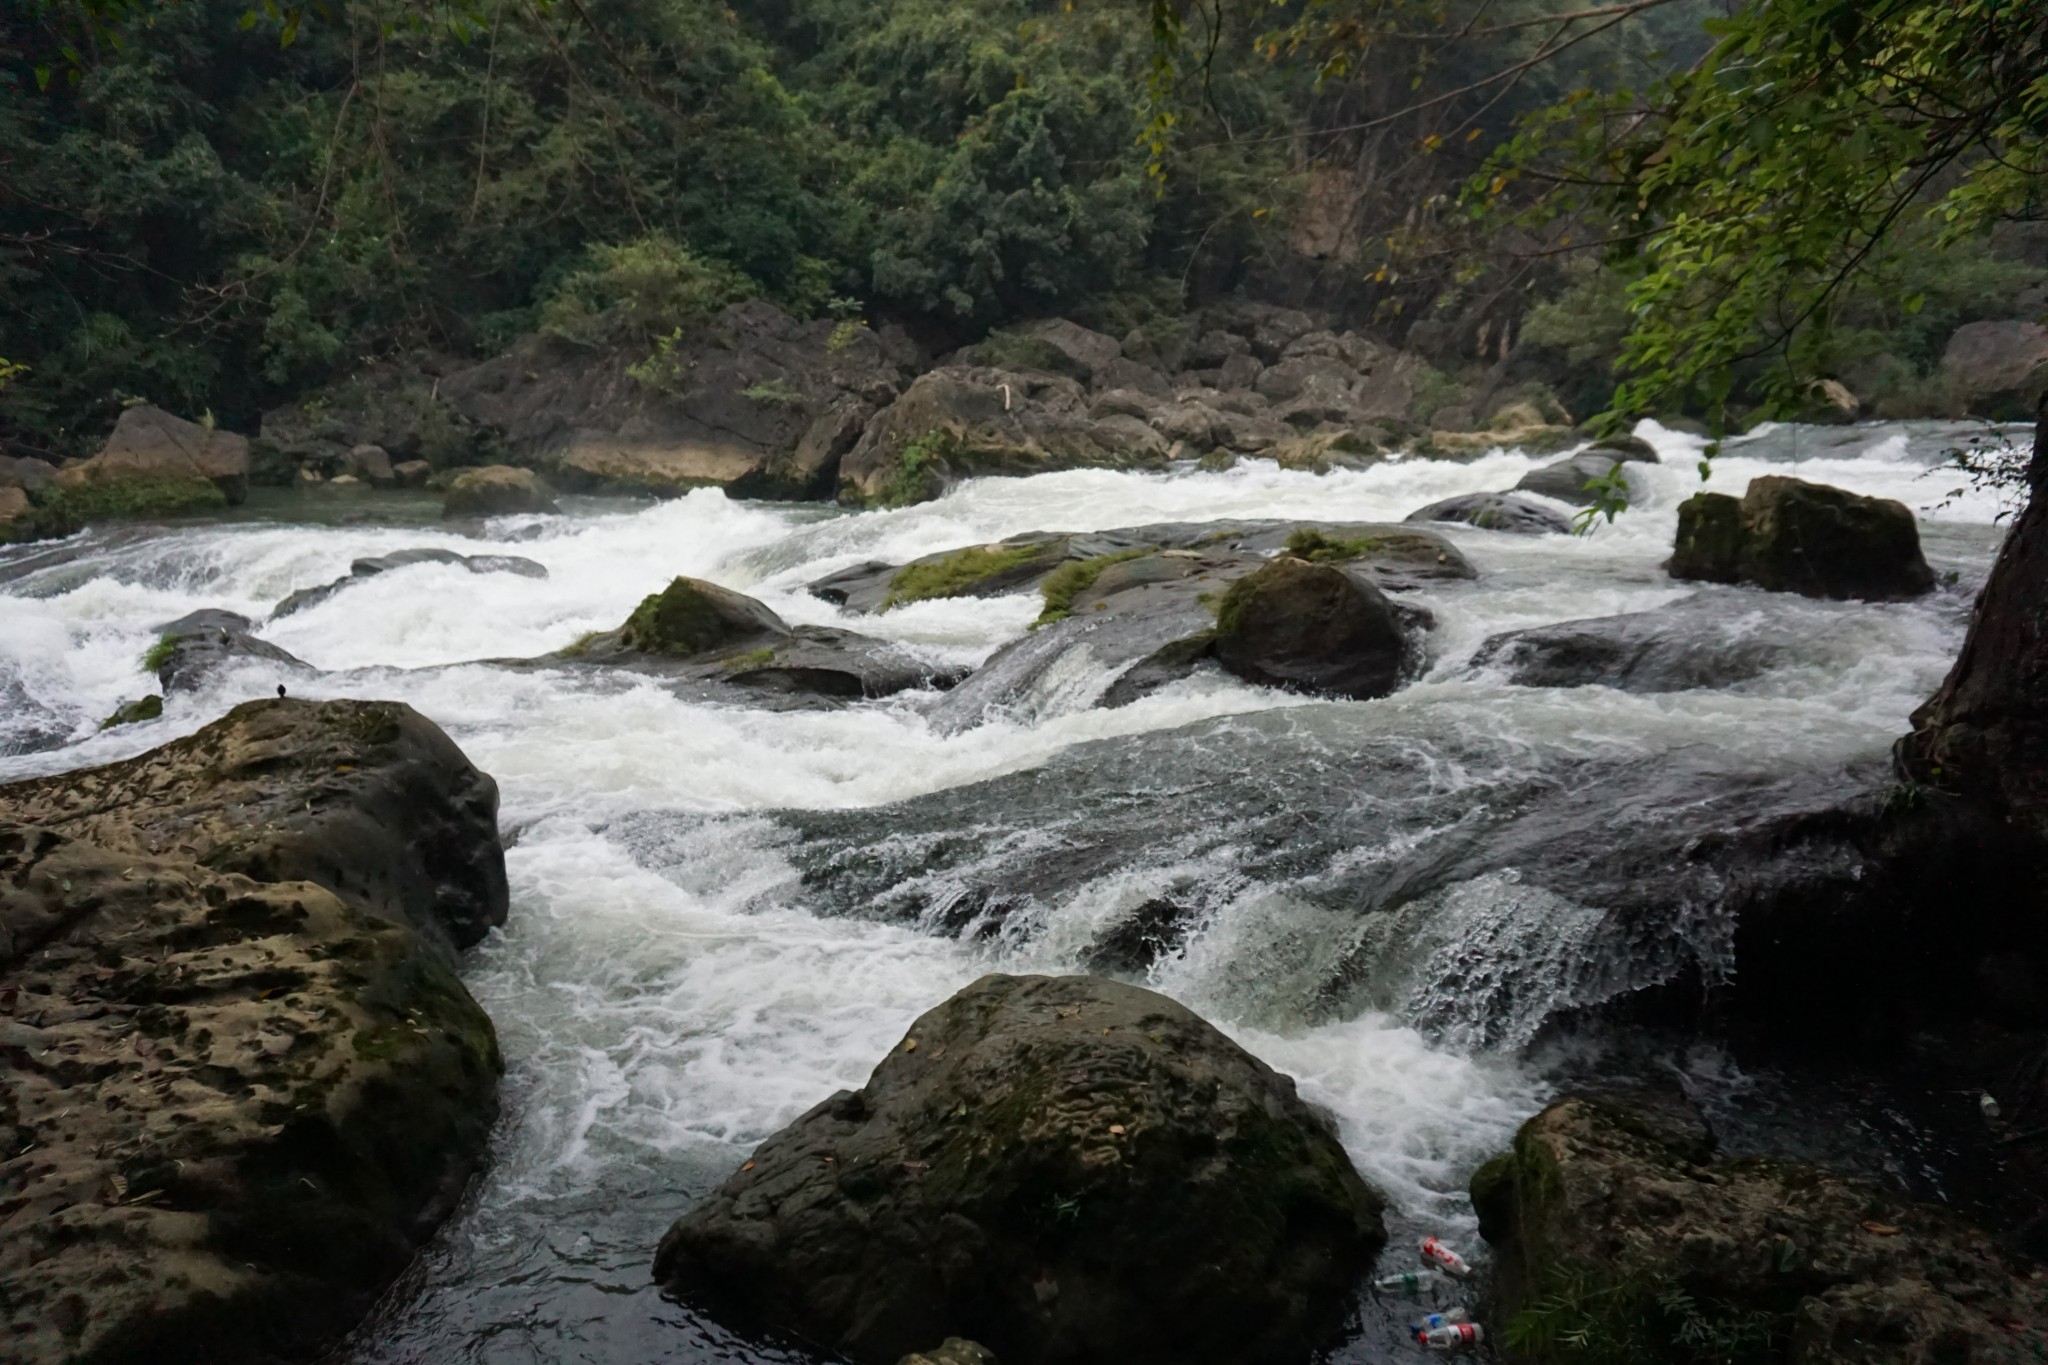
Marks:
<point>1450,1317</point>
<point>1408,1282</point>
<point>1435,1253</point>
<point>1453,1336</point>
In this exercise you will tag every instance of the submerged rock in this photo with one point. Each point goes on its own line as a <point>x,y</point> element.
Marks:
<point>1067,1168</point>
<point>369,799</point>
<point>239,1080</point>
<point>497,491</point>
<point>1787,535</point>
<point>1507,512</point>
<point>1702,641</point>
<point>1312,627</point>
<point>1614,1221</point>
<point>371,566</point>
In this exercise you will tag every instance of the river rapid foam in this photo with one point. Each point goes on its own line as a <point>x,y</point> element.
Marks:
<point>667,999</point>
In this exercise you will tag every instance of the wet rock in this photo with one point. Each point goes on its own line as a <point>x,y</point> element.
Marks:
<point>1312,627</point>
<point>412,473</point>
<point>1137,940</point>
<point>233,1107</point>
<point>976,571</point>
<point>1700,642</point>
<point>1067,1168</point>
<point>1610,1222</point>
<point>709,642</point>
<point>371,566</point>
<point>1566,479</point>
<point>497,491</point>
<point>1495,512</point>
<point>1787,535</point>
<point>368,799</point>
<point>193,648</point>
<point>130,712</point>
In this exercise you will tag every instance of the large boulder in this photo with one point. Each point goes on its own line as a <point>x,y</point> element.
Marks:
<point>239,1086</point>
<point>17,517</point>
<point>153,465</point>
<point>497,491</point>
<point>1787,535</point>
<point>1066,1169</point>
<point>1566,479</point>
<point>709,642</point>
<point>1996,369</point>
<point>1615,1221</point>
<point>1313,627</point>
<point>1509,512</point>
<point>369,799</point>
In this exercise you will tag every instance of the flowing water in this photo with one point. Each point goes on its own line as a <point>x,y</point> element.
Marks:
<point>720,914</point>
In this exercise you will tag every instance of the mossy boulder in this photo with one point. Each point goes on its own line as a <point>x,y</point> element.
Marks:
<point>1622,1238</point>
<point>1788,535</point>
<point>192,650</point>
<point>691,617</point>
<point>1313,627</point>
<point>977,571</point>
<point>497,491</point>
<point>1066,1169</point>
<point>369,799</point>
<point>131,712</point>
<point>243,1082</point>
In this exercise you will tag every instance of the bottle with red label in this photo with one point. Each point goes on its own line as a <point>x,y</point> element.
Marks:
<point>1453,1336</point>
<point>1450,1317</point>
<point>1435,1253</point>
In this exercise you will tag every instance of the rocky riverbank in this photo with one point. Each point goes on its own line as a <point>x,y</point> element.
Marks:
<point>243,1083</point>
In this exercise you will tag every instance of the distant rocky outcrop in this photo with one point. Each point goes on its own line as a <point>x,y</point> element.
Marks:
<point>1612,1217</point>
<point>242,1082</point>
<point>754,401</point>
<point>1996,369</point>
<point>1787,535</point>
<point>1068,1169</point>
<point>497,491</point>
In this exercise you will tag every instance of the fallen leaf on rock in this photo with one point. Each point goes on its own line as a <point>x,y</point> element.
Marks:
<point>1116,1130</point>
<point>910,1046</point>
<point>748,1167</point>
<point>1881,1229</point>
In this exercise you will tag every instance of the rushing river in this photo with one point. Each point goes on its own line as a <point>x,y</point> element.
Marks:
<point>681,973</point>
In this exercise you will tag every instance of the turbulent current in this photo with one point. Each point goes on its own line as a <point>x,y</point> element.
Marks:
<point>721,915</point>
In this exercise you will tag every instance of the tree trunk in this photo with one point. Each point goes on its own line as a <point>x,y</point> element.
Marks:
<point>1984,735</point>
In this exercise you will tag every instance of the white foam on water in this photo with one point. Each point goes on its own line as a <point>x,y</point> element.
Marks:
<point>683,1013</point>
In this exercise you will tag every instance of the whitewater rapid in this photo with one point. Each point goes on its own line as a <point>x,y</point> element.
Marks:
<point>662,1011</point>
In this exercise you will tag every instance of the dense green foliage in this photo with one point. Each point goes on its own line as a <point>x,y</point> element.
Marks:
<point>213,219</point>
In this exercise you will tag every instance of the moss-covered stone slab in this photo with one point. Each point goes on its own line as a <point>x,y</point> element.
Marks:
<point>1064,1169</point>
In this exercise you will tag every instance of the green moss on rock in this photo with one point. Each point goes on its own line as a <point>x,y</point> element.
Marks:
<point>148,708</point>
<point>1069,581</point>
<point>691,617</point>
<point>964,572</point>
<point>1316,547</point>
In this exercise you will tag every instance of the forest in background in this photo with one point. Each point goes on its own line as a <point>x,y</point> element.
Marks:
<point>216,220</point>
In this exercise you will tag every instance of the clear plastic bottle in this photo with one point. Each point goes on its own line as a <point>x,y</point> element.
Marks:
<point>1435,1253</point>
<point>1450,1317</point>
<point>1408,1282</point>
<point>1453,1336</point>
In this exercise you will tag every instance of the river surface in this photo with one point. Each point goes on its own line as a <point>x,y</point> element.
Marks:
<point>685,967</point>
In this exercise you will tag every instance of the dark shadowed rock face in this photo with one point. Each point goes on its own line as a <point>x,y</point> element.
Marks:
<point>1064,1168</point>
<point>237,1088</point>
<point>1615,1220</point>
<point>1787,535</point>
<point>1312,627</point>
<point>368,799</point>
